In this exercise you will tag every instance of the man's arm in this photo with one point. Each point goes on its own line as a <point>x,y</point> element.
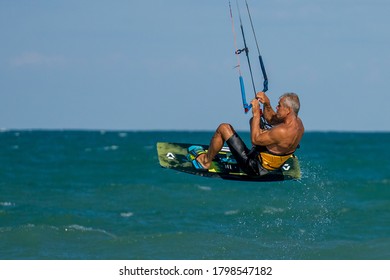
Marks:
<point>269,113</point>
<point>260,137</point>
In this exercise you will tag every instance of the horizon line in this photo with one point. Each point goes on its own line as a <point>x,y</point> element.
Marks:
<point>176,130</point>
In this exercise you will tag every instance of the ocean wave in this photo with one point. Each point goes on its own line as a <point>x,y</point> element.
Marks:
<point>272,210</point>
<point>111,148</point>
<point>70,228</point>
<point>7,204</point>
<point>26,228</point>
<point>231,212</point>
<point>204,188</point>
<point>105,148</point>
<point>88,229</point>
<point>127,214</point>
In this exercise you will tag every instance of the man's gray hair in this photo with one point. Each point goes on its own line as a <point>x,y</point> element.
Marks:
<point>291,100</point>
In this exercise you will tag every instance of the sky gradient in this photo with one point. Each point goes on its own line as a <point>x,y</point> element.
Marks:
<point>169,65</point>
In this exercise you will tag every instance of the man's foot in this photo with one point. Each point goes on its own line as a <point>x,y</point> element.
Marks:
<point>202,160</point>
<point>197,155</point>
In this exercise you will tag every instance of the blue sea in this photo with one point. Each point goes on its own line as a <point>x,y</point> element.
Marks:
<point>102,195</point>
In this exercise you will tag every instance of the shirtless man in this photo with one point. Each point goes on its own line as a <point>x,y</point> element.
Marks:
<point>272,147</point>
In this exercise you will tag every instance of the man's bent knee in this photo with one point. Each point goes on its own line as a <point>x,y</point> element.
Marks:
<point>226,130</point>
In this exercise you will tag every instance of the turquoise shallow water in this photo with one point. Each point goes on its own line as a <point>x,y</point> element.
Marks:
<point>102,195</point>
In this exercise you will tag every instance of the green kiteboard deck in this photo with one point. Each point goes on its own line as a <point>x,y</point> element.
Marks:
<point>176,156</point>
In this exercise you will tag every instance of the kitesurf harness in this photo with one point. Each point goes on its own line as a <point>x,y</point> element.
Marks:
<point>269,160</point>
<point>272,161</point>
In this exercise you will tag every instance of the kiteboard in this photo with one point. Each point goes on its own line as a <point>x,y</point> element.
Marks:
<point>177,156</point>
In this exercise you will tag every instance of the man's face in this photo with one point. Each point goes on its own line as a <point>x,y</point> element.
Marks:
<point>281,110</point>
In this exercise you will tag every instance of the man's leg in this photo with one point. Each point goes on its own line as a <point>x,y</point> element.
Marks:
<point>223,133</point>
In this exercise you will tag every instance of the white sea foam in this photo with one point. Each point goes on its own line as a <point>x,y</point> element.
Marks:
<point>88,229</point>
<point>231,212</point>
<point>204,188</point>
<point>111,148</point>
<point>272,210</point>
<point>127,214</point>
<point>7,204</point>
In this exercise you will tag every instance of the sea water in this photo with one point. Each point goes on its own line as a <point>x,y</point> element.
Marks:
<point>102,195</point>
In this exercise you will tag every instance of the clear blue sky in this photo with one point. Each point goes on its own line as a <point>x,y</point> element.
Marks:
<point>146,65</point>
